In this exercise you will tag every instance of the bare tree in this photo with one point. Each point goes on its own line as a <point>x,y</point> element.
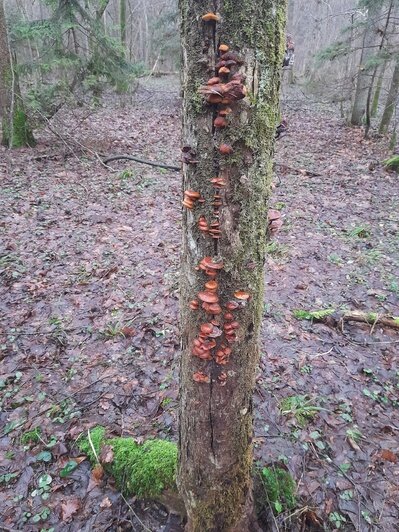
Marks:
<point>391,100</point>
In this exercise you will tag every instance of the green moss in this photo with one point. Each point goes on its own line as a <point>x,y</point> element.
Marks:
<point>32,436</point>
<point>143,470</point>
<point>96,436</point>
<point>20,134</point>
<point>280,488</point>
<point>392,163</point>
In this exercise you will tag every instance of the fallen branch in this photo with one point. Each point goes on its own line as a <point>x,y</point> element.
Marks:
<point>142,161</point>
<point>298,170</point>
<point>334,318</point>
<point>371,318</point>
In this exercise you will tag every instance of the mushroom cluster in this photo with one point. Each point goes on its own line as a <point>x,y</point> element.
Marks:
<point>190,197</point>
<point>220,326</point>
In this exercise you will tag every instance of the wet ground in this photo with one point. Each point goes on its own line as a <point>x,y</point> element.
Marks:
<point>88,303</point>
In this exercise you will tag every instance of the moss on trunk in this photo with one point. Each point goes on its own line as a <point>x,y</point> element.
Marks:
<point>15,128</point>
<point>216,419</point>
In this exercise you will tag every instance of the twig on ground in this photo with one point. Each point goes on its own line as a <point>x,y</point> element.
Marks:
<point>142,161</point>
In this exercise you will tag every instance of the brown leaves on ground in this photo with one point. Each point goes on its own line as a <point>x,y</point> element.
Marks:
<point>69,508</point>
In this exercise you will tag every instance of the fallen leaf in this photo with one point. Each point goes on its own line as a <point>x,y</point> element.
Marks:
<point>105,503</point>
<point>107,454</point>
<point>97,472</point>
<point>69,508</point>
<point>388,455</point>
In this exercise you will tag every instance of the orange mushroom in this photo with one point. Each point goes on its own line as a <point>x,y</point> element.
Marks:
<point>209,264</point>
<point>192,194</point>
<point>213,81</point>
<point>206,328</point>
<point>188,204</point>
<point>225,112</point>
<point>223,48</point>
<point>194,305</point>
<point>218,182</point>
<point>240,294</point>
<point>220,122</point>
<point>208,297</point>
<point>225,149</point>
<point>211,285</point>
<point>215,308</point>
<point>224,70</point>
<point>232,305</point>
<point>210,17</point>
<point>214,98</point>
<point>228,316</point>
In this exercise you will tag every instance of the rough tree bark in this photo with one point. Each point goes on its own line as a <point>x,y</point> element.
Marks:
<point>391,100</point>
<point>214,475</point>
<point>122,23</point>
<point>365,78</point>
<point>15,128</point>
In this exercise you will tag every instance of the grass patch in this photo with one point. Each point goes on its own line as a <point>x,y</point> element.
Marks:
<point>279,489</point>
<point>300,407</point>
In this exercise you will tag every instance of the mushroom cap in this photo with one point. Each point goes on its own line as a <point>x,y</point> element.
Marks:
<point>225,112</point>
<point>225,149</point>
<point>223,48</point>
<point>220,122</point>
<point>213,81</point>
<point>228,316</point>
<point>215,308</point>
<point>240,294</point>
<point>224,70</point>
<point>216,332</point>
<point>208,297</point>
<point>232,305</point>
<point>188,203</point>
<point>211,285</point>
<point>206,328</point>
<point>210,265</point>
<point>201,377</point>
<point>192,194</point>
<point>209,17</point>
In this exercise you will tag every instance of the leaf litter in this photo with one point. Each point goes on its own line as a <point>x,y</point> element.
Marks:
<point>89,309</point>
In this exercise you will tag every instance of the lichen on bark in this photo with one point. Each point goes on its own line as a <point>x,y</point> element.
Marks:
<point>216,421</point>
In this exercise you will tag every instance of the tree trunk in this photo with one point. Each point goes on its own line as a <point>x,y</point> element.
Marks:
<point>377,93</point>
<point>15,128</point>
<point>364,76</point>
<point>214,475</point>
<point>391,101</point>
<point>122,21</point>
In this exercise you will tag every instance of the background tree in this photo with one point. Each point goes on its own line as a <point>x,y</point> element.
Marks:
<point>15,128</point>
<point>364,77</point>
<point>216,414</point>
<point>391,100</point>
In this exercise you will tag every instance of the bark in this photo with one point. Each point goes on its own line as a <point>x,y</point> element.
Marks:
<point>15,128</point>
<point>377,93</point>
<point>364,76</point>
<point>214,475</point>
<point>122,21</point>
<point>374,73</point>
<point>391,101</point>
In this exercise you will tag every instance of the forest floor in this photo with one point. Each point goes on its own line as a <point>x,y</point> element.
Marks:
<point>89,265</point>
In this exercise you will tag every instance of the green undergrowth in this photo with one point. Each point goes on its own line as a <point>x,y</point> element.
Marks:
<point>143,470</point>
<point>311,315</point>
<point>277,490</point>
<point>392,163</point>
